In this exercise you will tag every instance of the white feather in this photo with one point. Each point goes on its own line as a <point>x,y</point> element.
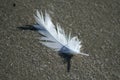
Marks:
<point>55,37</point>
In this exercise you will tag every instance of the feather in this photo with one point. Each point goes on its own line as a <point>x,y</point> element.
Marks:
<point>54,36</point>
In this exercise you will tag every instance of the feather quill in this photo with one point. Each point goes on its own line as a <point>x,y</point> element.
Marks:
<point>54,36</point>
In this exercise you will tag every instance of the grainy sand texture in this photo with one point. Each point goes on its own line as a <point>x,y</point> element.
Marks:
<point>95,22</point>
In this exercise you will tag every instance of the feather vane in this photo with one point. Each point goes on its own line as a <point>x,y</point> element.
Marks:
<point>54,36</point>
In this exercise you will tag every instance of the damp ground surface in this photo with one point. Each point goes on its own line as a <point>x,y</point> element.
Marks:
<point>95,22</point>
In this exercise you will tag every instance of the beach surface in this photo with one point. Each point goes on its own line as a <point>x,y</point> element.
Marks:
<point>95,22</point>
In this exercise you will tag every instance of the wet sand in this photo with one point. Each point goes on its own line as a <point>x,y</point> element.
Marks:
<point>95,22</point>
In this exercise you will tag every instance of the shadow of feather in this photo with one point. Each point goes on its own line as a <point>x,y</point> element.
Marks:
<point>67,59</point>
<point>27,27</point>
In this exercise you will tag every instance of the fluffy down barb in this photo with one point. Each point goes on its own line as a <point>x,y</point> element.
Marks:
<point>54,36</point>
